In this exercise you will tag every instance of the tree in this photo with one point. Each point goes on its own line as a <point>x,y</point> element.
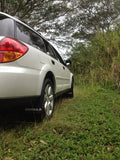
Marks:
<point>36,12</point>
<point>65,21</point>
<point>40,14</point>
<point>89,16</point>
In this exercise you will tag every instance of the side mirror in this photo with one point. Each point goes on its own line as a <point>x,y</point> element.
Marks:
<point>68,62</point>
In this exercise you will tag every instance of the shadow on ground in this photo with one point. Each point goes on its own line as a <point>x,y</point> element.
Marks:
<point>13,117</point>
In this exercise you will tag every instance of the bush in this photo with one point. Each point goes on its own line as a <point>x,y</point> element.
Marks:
<point>80,59</point>
<point>100,59</point>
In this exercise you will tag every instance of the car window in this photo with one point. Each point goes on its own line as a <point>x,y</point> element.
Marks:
<point>28,36</point>
<point>49,50</point>
<point>6,26</point>
<point>58,57</point>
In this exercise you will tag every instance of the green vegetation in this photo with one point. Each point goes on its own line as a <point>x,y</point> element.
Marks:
<point>71,19</point>
<point>99,61</point>
<point>86,127</point>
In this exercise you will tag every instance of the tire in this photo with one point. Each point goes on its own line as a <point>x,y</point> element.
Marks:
<point>46,101</point>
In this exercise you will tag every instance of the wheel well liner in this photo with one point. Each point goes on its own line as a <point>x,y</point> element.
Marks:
<point>50,76</point>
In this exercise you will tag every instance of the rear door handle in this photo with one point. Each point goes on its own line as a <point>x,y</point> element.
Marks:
<point>53,62</point>
<point>63,67</point>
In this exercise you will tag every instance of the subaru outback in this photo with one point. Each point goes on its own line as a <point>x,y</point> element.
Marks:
<point>31,69</point>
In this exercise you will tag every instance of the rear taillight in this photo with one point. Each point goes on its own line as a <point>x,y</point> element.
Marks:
<point>11,50</point>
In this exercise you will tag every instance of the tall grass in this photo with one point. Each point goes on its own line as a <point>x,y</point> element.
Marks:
<point>99,61</point>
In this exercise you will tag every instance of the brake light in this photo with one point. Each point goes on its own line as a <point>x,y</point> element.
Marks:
<point>11,50</point>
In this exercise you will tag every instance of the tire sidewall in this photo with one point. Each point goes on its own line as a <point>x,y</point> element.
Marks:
<point>41,102</point>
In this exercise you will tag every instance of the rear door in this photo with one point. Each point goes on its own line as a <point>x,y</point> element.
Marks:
<point>61,72</point>
<point>65,73</point>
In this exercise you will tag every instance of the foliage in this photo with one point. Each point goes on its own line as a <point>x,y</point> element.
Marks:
<point>80,59</point>
<point>102,53</point>
<point>65,20</point>
<point>85,127</point>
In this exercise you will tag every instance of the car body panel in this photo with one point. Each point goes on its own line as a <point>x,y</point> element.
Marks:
<point>18,81</point>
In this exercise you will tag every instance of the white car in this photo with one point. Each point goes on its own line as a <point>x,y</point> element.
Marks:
<point>31,70</point>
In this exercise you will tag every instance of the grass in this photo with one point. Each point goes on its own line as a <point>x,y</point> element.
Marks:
<point>86,127</point>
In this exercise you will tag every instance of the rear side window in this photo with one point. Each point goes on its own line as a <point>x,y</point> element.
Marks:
<point>28,36</point>
<point>58,57</point>
<point>6,26</point>
<point>49,50</point>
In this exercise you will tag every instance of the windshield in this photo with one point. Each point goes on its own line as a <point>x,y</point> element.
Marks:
<point>6,26</point>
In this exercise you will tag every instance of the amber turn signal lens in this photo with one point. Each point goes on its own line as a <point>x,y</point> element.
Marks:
<point>11,56</point>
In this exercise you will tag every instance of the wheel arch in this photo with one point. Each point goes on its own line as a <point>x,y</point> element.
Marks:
<point>50,75</point>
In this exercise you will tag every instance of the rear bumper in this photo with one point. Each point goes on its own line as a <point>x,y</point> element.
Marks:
<point>16,82</point>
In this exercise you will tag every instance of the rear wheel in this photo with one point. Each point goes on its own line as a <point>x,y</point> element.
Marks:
<point>46,102</point>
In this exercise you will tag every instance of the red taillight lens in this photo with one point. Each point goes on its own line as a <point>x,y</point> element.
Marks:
<point>11,50</point>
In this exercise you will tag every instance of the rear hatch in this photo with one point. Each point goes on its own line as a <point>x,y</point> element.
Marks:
<point>6,26</point>
<point>10,49</point>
